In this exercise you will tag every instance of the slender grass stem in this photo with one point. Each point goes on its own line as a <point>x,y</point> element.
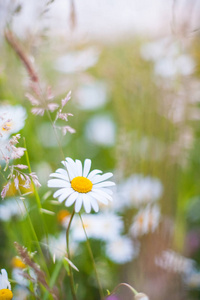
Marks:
<point>68,253</point>
<point>93,261</point>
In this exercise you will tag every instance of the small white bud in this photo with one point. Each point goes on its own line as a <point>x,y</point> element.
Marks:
<point>141,296</point>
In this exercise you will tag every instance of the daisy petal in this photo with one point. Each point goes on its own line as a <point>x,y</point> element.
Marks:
<point>104,184</point>
<point>109,192</point>
<point>98,197</point>
<point>93,173</point>
<point>58,183</point>
<point>78,203</point>
<point>79,167</point>
<point>65,195</point>
<point>73,165</point>
<point>94,204</point>
<point>100,178</point>
<point>61,191</point>
<point>86,203</point>
<point>87,166</point>
<point>70,169</point>
<point>102,193</point>
<point>63,172</point>
<point>72,198</point>
<point>61,176</point>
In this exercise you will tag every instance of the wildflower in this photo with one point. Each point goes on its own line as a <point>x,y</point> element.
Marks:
<point>103,227</point>
<point>5,287</point>
<point>57,246</point>
<point>18,263</point>
<point>193,280</point>
<point>122,250</point>
<point>80,186</point>
<point>77,61</point>
<point>108,226</point>
<point>146,220</point>
<point>100,130</point>
<point>91,96</point>
<point>12,119</point>
<point>174,262</point>
<point>138,190</point>
<point>12,208</point>
<point>63,217</point>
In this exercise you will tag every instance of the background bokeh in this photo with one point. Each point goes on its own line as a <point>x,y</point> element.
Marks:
<point>133,68</point>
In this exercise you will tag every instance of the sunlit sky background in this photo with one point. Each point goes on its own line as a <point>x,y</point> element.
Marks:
<point>105,19</point>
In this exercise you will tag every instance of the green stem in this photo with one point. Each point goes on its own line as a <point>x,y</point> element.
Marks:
<point>68,253</point>
<point>29,168</point>
<point>93,261</point>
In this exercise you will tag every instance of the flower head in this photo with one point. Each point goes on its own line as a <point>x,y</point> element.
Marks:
<point>5,288</point>
<point>122,250</point>
<point>12,119</point>
<point>146,220</point>
<point>80,186</point>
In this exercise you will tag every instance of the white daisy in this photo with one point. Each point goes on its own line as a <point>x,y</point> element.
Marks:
<point>5,287</point>
<point>146,220</point>
<point>76,184</point>
<point>12,119</point>
<point>122,250</point>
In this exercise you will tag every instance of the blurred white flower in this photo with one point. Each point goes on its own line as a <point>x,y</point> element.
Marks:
<point>169,60</point>
<point>146,220</point>
<point>13,207</point>
<point>121,250</point>
<point>76,184</point>
<point>17,275</point>
<point>57,246</point>
<point>92,95</point>
<point>193,280</point>
<point>170,67</point>
<point>159,48</point>
<point>12,119</point>
<point>101,130</point>
<point>138,190</point>
<point>106,226</point>
<point>174,262</point>
<point>77,61</point>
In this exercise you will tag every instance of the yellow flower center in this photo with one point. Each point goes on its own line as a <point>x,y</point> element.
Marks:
<point>6,294</point>
<point>81,184</point>
<point>6,126</point>
<point>62,215</point>
<point>18,263</point>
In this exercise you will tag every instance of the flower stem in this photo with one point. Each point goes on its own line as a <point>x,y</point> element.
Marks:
<point>127,285</point>
<point>68,253</point>
<point>93,261</point>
